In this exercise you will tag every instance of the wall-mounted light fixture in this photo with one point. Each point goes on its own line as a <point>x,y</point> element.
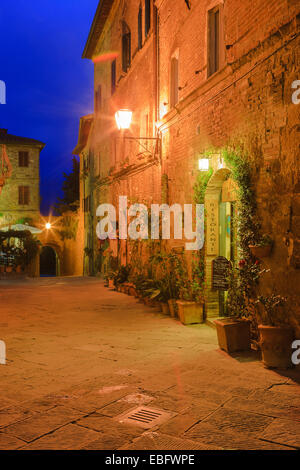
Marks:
<point>203,164</point>
<point>48,225</point>
<point>123,119</point>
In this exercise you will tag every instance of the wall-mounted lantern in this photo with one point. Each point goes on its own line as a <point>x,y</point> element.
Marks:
<point>123,119</point>
<point>203,164</point>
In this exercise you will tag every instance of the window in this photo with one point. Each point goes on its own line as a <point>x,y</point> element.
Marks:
<point>126,47</point>
<point>98,99</point>
<point>23,159</point>
<point>147,16</point>
<point>113,76</point>
<point>23,195</point>
<point>140,28</point>
<point>87,204</point>
<point>213,41</point>
<point>174,82</point>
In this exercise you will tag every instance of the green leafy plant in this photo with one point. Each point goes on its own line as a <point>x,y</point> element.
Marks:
<point>271,311</point>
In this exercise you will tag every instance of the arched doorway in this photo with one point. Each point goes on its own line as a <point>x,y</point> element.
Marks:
<point>220,236</point>
<point>48,262</point>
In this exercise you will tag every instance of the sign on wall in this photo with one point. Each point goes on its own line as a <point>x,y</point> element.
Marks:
<point>220,272</point>
<point>212,227</point>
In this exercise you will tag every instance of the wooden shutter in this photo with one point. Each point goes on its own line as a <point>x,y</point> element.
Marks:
<point>23,159</point>
<point>113,76</point>
<point>140,28</point>
<point>23,195</point>
<point>213,41</point>
<point>147,17</point>
<point>174,82</point>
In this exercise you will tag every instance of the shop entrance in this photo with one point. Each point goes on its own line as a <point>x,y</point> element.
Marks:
<point>221,240</point>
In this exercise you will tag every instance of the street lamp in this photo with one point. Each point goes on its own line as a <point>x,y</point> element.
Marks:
<point>48,225</point>
<point>203,164</point>
<point>123,118</point>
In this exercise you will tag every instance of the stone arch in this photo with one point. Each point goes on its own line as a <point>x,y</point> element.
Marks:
<point>58,259</point>
<point>213,193</point>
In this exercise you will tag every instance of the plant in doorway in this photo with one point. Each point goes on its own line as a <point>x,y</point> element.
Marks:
<point>276,336</point>
<point>234,330</point>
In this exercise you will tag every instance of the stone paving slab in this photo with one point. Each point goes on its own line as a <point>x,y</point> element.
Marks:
<point>283,431</point>
<point>9,442</point>
<point>70,436</point>
<point>157,441</point>
<point>42,423</point>
<point>112,434</point>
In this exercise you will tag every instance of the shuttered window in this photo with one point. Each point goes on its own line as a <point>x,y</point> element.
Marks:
<point>23,195</point>
<point>98,99</point>
<point>213,41</point>
<point>23,159</point>
<point>147,16</point>
<point>126,48</point>
<point>174,82</point>
<point>140,28</point>
<point>113,76</point>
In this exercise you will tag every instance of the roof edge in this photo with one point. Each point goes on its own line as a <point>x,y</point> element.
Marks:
<point>103,9</point>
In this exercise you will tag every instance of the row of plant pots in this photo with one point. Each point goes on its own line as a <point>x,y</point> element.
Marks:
<point>186,311</point>
<point>10,269</point>
<point>275,341</point>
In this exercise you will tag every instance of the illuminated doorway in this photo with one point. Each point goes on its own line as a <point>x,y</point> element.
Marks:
<point>220,236</point>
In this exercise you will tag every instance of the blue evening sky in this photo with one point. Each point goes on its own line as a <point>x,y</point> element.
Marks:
<point>48,85</point>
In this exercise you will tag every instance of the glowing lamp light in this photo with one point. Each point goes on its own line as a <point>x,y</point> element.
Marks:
<point>203,164</point>
<point>48,225</point>
<point>123,118</point>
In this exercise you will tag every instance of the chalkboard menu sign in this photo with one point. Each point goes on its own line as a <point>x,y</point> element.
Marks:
<point>220,271</point>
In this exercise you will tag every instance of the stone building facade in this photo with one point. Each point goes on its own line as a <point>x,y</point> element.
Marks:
<point>202,77</point>
<point>20,197</point>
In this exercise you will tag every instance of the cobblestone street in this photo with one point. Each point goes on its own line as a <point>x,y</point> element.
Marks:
<point>79,356</point>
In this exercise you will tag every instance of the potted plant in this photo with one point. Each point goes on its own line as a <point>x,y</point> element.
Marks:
<point>233,331</point>
<point>276,336</point>
<point>263,247</point>
<point>191,299</point>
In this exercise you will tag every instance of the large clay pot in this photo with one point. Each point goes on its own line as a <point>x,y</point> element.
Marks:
<point>172,307</point>
<point>233,334</point>
<point>111,284</point>
<point>189,312</point>
<point>2,269</point>
<point>8,269</point>
<point>276,346</point>
<point>165,308</point>
<point>260,251</point>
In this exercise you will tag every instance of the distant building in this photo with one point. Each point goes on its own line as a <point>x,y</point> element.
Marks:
<point>20,195</point>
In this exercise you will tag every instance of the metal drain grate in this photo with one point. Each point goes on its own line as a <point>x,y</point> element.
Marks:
<point>145,417</point>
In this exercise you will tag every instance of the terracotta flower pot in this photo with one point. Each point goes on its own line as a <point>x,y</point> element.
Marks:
<point>165,308</point>
<point>260,251</point>
<point>233,334</point>
<point>172,307</point>
<point>18,269</point>
<point>2,269</point>
<point>111,284</point>
<point>190,312</point>
<point>276,346</point>
<point>8,269</point>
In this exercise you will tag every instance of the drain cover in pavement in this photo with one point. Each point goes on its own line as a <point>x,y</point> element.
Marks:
<point>145,417</point>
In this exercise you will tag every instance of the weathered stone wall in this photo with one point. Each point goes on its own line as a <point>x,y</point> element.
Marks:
<point>10,210</point>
